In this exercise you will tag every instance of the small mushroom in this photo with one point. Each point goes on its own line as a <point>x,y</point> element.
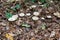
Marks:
<point>13,18</point>
<point>42,18</point>
<point>28,14</point>
<point>33,6</point>
<point>21,14</point>
<point>49,16</point>
<point>36,13</point>
<point>35,18</point>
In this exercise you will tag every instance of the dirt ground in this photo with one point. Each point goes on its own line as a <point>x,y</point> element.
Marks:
<point>44,25</point>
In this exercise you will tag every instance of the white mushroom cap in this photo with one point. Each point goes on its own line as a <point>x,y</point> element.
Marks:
<point>21,14</point>
<point>28,14</point>
<point>36,13</point>
<point>42,18</point>
<point>13,18</point>
<point>35,18</point>
<point>49,16</point>
<point>33,6</point>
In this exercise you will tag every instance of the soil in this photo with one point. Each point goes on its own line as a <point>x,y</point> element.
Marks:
<point>34,32</point>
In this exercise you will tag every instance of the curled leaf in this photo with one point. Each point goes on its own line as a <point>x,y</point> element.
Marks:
<point>25,25</point>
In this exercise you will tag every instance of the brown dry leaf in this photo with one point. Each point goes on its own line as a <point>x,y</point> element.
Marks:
<point>57,14</point>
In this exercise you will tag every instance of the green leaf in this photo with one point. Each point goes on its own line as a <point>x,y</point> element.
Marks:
<point>8,15</point>
<point>43,1</point>
<point>17,6</point>
<point>33,0</point>
<point>25,25</point>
